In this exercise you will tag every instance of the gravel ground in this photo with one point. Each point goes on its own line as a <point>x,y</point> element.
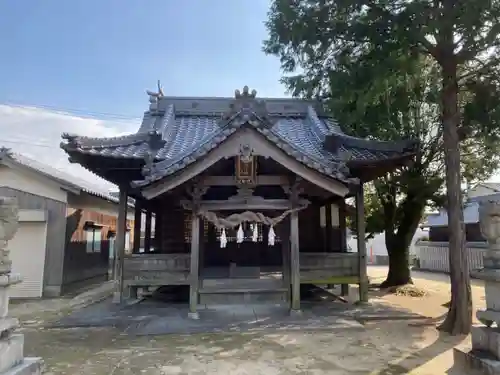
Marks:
<point>384,347</point>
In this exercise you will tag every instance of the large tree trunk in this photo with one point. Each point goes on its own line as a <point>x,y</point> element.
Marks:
<point>398,242</point>
<point>459,318</point>
<point>399,265</point>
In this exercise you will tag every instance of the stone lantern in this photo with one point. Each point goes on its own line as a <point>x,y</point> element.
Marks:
<point>12,359</point>
<point>485,353</point>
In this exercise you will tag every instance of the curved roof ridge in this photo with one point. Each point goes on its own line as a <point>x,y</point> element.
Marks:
<point>168,166</point>
<point>335,140</point>
<point>167,125</point>
<point>318,128</point>
<point>332,126</point>
<point>147,123</point>
<point>291,149</point>
<point>89,142</point>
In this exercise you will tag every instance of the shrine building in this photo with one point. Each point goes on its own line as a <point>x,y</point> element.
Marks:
<point>248,196</point>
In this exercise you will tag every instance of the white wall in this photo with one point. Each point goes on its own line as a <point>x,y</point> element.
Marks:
<point>27,252</point>
<point>376,245</point>
<point>335,216</point>
<point>480,190</point>
<point>30,182</point>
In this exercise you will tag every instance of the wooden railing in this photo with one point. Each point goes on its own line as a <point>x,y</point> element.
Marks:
<point>329,268</point>
<point>173,269</point>
<point>156,269</point>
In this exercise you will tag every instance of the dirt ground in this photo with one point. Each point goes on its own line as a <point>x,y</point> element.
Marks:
<point>385,347</point>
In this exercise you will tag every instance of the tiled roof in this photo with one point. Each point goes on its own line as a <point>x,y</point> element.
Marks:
<point>57,175</point>
<point>190,127</point>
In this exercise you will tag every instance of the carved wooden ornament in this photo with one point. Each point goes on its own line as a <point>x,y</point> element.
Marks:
<point>246,168</point>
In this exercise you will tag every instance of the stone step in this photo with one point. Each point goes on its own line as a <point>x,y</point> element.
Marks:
<point>477,362</point>
<point>242,283</point>
<point>227,296</point>
<point>11,352</point>
<point>28,366</point>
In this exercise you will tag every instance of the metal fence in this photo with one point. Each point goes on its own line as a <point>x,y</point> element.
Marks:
<point>433,256</point>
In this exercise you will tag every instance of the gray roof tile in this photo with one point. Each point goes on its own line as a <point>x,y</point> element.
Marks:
<point>191,127</point>
<point>55,174</point>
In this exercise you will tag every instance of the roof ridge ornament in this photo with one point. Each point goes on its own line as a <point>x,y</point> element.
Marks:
<point>155,143</point>
<point>245,108</point>
<point>6,152</point>
<point>246,93</point>
<point>154,97</point>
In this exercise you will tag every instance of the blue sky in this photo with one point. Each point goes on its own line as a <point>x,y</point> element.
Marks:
<point>100,55</point>
<point>82,66</point>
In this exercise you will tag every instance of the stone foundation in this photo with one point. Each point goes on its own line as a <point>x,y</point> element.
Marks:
<point>484,356</point>
<point>12,359</point>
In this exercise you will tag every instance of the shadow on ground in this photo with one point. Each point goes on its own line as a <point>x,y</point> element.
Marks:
<point>327,339</point>
<point>154,316</point>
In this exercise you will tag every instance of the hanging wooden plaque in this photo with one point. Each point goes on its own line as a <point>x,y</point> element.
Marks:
<point>246,169</point>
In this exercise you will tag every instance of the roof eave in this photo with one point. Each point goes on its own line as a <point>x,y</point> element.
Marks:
<point>333,142</point>
<point>12,163</point>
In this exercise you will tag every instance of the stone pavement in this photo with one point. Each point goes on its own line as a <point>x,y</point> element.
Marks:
<point>392,346</point>
<point>33,311</point>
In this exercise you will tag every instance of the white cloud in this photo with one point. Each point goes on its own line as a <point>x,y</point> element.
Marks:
<point>36,133</point>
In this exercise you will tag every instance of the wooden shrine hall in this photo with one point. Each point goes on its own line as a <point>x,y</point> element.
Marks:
<point>248,196</point>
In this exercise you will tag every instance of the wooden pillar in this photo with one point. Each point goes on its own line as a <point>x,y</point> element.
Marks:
<point>137,227</point>
<point>285,253</point>
<point>147,231</point>
<point>319,230</point>
<point>294,262</point>
<point>328,233</point>
<point>121,227</point>
<point>202,247</point>
<point>194,269</point>
<point>343,239</point>
<point>328,227</point>
<point>158,230</point>
<point>360,225</point>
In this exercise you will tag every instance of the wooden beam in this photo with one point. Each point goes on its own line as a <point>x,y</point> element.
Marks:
<point>360,225</point>
<point>250,204</point>
<point>231,180</point>
<point>230,148</point>
<point>194,267</point>
<point>121,227</point>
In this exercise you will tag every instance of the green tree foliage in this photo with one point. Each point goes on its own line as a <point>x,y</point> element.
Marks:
<point>393,69</point>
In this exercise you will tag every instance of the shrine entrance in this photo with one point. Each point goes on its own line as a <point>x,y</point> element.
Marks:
<point>247,245</point>
<point>241,253</point>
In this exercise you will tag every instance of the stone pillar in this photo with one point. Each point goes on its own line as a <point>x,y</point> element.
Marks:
<point>485,353</point>
<point>11,343</point>
<point>294,262</point>
<point>121,228</point>
<point>360,226</point>
<point>194,271</point>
